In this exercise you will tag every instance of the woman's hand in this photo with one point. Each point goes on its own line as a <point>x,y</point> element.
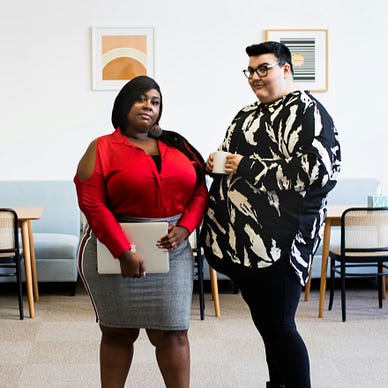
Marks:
<point>132,265</point>
<point>176,235</point>
<point>231,164</point>
<point>209,163</point>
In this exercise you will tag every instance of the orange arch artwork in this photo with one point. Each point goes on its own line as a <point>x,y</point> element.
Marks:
<point>123,57</point>
<point>120,54</point>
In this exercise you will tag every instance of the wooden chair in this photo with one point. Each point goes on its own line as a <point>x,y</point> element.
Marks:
<point>10,252</point>
<point>363,251</point>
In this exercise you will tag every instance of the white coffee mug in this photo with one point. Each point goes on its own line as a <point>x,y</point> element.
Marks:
<point>219,160</point>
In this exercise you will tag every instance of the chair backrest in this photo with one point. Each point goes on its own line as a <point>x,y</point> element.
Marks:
<point>364,231</point>
<point>9,243</point>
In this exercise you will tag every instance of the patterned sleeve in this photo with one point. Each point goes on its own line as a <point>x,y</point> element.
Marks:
<point>303,146</point>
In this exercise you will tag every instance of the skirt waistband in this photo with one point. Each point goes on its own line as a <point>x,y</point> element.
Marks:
<point>172,220</point>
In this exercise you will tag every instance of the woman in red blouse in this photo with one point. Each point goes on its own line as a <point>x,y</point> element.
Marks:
<point>141,171</point>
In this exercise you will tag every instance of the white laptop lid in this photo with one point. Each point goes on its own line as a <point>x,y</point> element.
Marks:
<point>144,235</point>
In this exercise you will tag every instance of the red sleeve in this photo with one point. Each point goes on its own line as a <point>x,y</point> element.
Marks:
<point>193,213</point>
<point>92,201</point>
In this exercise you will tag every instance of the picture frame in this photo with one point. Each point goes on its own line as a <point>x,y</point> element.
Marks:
<point>309,50</point>
<point>120,54</point>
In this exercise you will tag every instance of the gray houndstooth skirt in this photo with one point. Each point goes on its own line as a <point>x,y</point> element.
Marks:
<point>156,301</point>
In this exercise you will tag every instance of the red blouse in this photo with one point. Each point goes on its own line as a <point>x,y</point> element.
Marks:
<point>126,181</point>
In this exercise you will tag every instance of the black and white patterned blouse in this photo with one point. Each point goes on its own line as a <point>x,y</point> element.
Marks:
<point>276,201</point>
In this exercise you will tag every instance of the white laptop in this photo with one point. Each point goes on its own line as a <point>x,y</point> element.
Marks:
<point>144,235</point>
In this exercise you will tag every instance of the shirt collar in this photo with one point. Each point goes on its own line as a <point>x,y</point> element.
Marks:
<point>119,138</point>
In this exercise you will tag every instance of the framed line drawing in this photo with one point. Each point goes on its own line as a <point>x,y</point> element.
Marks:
<point>120,54</point>
<point>309,50</point>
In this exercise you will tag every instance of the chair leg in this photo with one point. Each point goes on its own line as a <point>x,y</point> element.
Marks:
<point>343,292</point>
<point>332,284</point>
<point>380,283</point>
<point>214,285</point>
<point>307,288</point>
<point>200,287</point>
<point>383,282</point>
<point>20,298</point>
<point>380,290</point>
<point>20,289</point>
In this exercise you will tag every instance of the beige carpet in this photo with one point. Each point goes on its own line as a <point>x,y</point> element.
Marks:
<point>59,348</point>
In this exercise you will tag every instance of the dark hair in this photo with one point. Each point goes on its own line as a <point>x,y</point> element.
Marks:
<point>128,95</point>
<point>176,140</point>
<point>280,50</point>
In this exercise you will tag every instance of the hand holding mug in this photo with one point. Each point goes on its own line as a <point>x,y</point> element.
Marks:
<point>222,162</point>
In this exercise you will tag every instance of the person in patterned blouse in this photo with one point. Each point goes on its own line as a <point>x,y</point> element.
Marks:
<point>265,216</point>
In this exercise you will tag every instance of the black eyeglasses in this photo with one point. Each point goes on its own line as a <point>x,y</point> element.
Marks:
<point>261,71</point>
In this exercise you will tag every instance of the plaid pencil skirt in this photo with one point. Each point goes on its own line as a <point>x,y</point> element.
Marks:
<point>156,301</point>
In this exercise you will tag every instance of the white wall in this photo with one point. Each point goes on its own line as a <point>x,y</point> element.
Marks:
<point>49,113</point>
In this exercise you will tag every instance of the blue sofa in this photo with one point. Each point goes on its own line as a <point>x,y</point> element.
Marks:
<point>57,233</point>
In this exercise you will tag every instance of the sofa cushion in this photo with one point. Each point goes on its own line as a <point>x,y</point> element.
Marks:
<point>55,246</point>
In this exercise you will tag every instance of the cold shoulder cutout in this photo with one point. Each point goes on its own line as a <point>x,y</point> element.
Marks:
<point>88,162</point>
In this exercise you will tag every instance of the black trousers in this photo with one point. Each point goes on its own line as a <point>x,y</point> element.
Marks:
<point>273,294</point>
